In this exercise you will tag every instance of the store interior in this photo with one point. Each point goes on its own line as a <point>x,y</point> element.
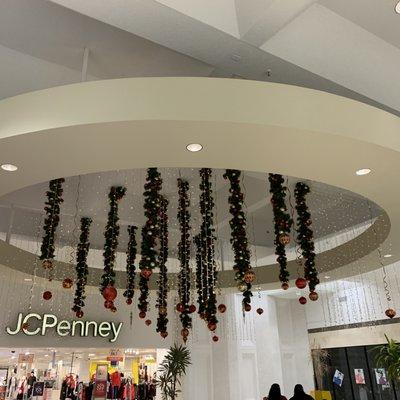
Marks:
<point>65,368</point>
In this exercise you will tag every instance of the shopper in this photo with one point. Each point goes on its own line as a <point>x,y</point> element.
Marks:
<point>299,394</point>
<point>275,393</point>
<point>31,382</point>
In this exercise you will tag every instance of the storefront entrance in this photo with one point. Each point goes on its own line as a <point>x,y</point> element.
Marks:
<point>84,374</point>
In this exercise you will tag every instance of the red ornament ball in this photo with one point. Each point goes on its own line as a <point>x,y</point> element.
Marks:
<point>215,338</point>
<point>25,326</point>
<point>313,296</point>
<point>110,293</point>
<point>146,273</point>
<point>47,295</point>
<point>247,307</point>
<point>260,311</point>
<point>285,286</point>
<point>147,322</point>
<point>302,300</point>
<point>192,308</point>
<point>180,307</point>
<point>67,283</point>
<point>79,314</point>
<point>249,276</point>
<point>301,283</point>
<point>222,308</point>
<point>390,313</point>
<point>212,326</point>
<point>129,301</point>
<point>142,315</point>
<point>164,334</point>
<point>108,304</point>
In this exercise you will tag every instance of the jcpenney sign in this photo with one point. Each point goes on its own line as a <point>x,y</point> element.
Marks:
<point>35,324</point>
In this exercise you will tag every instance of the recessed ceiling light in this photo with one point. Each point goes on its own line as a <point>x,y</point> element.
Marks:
<point>9,167</point>
<point>387,255</point>
<point>28,279</point>
<point>194,147</point>
<point>92,355</point>
<point>46,355</point>
<point>327,277</point>
<point>363,171</point>
<point>397,8</point>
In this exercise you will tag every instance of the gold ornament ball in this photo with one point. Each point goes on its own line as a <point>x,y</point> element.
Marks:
<point>47,264</point>
<point>313,296</point>
<point>162,310</point>
<point>284,239</point>
<point>249,276</point>
<point>242,287</point>
<point>285,286</point>
<point>67,283</point>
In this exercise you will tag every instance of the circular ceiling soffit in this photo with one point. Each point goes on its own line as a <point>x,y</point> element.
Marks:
<point>252,126</point>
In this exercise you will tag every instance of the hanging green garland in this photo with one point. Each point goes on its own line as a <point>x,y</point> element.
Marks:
<point>244,274</point>
<point>111,234</point>
<point>305,235</point>
<point>207,234</point>
<point>282,225</point>
<point>82,269</point>
<point>201,276</point>
<point>184,258</point>
<point>162,306</point>
<point>150,233</point>
<point>52,219</point>
<point>130,264</point>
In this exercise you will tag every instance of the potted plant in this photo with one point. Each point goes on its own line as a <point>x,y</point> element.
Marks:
<point>171,371</point>
<point>388,357</point>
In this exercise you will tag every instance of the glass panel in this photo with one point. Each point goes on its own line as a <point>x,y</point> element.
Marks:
<point>382,388</point>
<point>340,374</point>
<point>360,374</point>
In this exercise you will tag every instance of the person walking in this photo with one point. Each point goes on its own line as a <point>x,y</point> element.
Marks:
<point>299,394</point>
<point>275,393</point>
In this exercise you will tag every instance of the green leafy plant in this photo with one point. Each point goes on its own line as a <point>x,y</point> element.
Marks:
<point>171,371</point>
<point>388,357</point>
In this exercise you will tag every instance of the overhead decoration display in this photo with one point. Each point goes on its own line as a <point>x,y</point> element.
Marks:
<point>282,225</point>
<point>150,233</point>
<point>52,219</point>
<point>130,265</point>
<point>207,240</point>
<point>183,307</point>
<point>81,268</point>
<point>196,241</point>
<point>163,289</point>
<point>305,238</point>
<point>244,274</point>
<point>111,234</point>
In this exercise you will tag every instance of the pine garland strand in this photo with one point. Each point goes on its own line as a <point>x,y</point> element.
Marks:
<point>240,246</point>
<point>162,306</point>
<point>305,235</point>
<point>282,224</point>
<point>82,270</point>
<point>130,264</point>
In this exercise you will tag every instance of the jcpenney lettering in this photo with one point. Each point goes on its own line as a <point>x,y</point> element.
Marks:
<point>109,330</point>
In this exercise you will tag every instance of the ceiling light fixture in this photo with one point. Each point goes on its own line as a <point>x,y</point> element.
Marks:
<point>363,171</point>
<point>28,279</point>
<point>327,277</point>
<point>387,256</point>
<point>9,167</point>
<point>194,147</point>
<point>397,8</point>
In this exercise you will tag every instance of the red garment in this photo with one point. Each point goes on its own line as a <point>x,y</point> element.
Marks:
<point>116,379</point>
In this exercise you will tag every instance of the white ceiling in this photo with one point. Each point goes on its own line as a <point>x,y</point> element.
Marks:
<point>347,48</point>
